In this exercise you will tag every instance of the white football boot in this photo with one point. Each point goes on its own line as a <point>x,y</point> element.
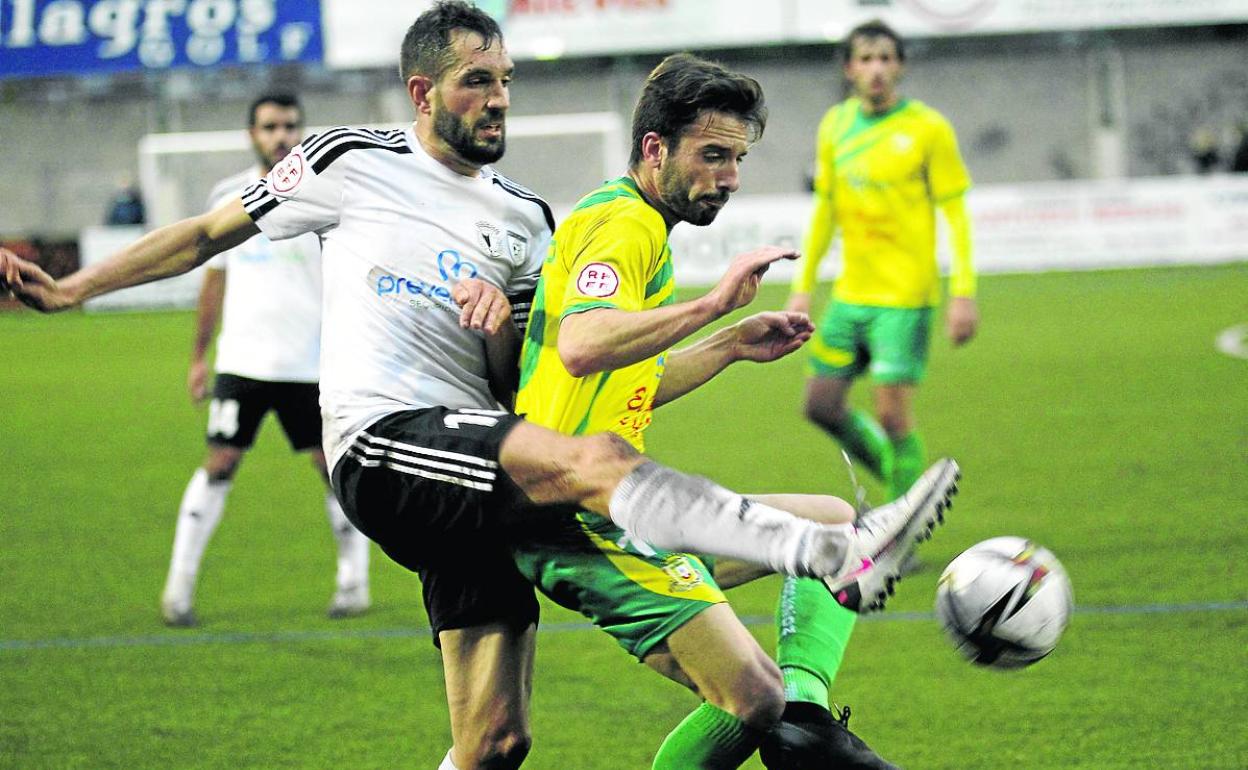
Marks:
<point>176,602</point>
<point>349,602</point>
<point>884,537</point>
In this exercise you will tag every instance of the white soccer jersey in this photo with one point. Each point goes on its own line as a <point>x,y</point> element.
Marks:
<point>271,315</point>
<point>398,229</point>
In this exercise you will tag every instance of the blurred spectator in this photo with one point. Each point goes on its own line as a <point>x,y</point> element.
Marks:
<point>1203,146</point>
<point>126,207</point>
<point>1239,161</point>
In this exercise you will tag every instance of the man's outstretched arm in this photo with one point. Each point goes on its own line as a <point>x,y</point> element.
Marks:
<point>607,338</point>
<point>761,338</point>
<point>167,251</point>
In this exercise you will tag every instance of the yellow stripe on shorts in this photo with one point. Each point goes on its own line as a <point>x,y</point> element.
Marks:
<point>678,577</point>
<point>829,356</point>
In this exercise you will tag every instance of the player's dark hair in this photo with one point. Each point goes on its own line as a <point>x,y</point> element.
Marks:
<point>426,47</point>
<point>280,99</point>
<point>872,29</point>
<point>681,88</point>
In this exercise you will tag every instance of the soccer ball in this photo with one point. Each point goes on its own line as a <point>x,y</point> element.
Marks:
<point>1004,602</point>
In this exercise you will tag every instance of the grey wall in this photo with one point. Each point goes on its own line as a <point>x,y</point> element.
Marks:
<point>1173,91</point>
<point>1025,108</point>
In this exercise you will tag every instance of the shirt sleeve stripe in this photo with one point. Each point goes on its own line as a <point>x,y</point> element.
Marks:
<point>314,143</point>
<point>334,151</point>
<point>258,201</point>
<point>514,189</point>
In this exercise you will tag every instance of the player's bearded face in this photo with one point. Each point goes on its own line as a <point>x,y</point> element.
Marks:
<point>479,138</point>
<point>276,131</point>
<point>874,69</point>
<point>683,196</point>
<point>702,168</point>
<point>471,99</point>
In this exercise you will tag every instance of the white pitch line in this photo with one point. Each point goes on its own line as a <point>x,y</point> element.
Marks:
<point>1234,341</point>
<point>178,638</point>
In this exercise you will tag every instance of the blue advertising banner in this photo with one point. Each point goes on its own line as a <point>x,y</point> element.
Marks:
<point>51,37</point>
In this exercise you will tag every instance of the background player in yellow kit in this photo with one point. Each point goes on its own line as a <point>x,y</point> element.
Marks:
<point>596,358</point>
<point>884,165</point>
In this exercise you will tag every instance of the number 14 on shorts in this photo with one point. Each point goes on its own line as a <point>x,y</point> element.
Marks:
<point>223,418</point>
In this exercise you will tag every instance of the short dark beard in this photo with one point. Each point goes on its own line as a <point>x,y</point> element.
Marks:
<point>674,194</point>
<point>451,129</point>
<point>267,162</point>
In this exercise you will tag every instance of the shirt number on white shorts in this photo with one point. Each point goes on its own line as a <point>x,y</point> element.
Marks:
<point>223,418</point>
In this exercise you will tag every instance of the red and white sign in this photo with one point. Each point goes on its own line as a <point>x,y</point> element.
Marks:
<point>598,279</point>
<point>287,175</point>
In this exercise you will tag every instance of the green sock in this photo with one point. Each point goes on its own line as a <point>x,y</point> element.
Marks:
<point>812,631</point>
<point>865,441</point>
<point>708,739</point>
<point>908,459</point>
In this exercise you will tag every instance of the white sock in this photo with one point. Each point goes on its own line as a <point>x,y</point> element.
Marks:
<point>447,764</point>
<point>352,546</point>
<point>198,516</point>
<point>675,511</point>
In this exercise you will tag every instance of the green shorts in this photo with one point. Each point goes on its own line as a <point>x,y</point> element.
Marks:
<point>891,341</point>
<point>636,593</point>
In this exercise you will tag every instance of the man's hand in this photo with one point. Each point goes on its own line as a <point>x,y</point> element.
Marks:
<point>197,381</point>
<point>30,284</point>
<point>961,320</point>
<point>483,306</point>
<point>799,302</point>
<point>769,336</point>
<point>740,284</point>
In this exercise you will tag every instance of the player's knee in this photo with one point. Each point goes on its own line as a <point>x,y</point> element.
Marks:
<point>501,749</point>
<point>608,448</point>
<point>896,423</point>
<point>815,412</point>
<point>757,699</point>
<point>825,413</point>
<point>603,459</point>
<point>764,708</point>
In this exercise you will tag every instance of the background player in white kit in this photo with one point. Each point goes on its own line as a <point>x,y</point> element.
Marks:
<point>268,359</point>
<point>422,243</point>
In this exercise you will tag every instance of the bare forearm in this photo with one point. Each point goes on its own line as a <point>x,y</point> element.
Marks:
<point>502,353</point>
<point>762,337</point>
<point>208,312</point>
<point>692,367</point>
<point>602,339</point>
<point>170,250</point>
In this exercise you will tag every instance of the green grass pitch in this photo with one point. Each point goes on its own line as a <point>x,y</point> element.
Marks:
<point>1093,414</point>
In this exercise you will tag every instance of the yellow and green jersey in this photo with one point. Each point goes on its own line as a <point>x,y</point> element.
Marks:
<point>880,178</point>
<point>610,252</point>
